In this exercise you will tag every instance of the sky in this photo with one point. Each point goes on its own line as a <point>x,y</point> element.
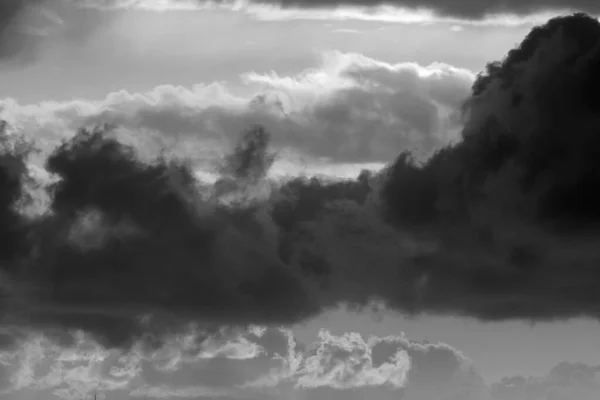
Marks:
<point>298,200</point>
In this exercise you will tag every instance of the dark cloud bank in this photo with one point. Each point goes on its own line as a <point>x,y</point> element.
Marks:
<point>503,225</point>
<point>468,9</point>
<point>462,9</point>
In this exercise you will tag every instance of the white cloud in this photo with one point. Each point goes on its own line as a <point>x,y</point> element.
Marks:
<point>349,109</point>
<point>345,362</point>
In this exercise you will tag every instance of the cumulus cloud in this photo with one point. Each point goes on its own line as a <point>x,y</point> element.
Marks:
<point>519,182</point>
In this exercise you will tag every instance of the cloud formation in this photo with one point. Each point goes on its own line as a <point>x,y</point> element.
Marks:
<point>500,225</point>
<point>256,363</point>
<point>270,363</point>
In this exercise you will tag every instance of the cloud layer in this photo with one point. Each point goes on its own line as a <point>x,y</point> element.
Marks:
<point>400,10</point>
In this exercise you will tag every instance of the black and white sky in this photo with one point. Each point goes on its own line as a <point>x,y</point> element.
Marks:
<point>299,200</point>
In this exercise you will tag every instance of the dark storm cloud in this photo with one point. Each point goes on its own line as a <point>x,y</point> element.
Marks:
<point>468,9</point>
<point>517,198</point>
<point>502,225</point>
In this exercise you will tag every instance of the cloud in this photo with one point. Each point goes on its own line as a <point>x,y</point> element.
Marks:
<point>465,9</point>
<point>29,27</point>
<point>351,108</point>
<point>186,366</point>
<point>270,363</point>
<point>346,363</point>
<point>25,27</point>
<point>15,39</point>
<point>43,365</point>
<point>394,11</point>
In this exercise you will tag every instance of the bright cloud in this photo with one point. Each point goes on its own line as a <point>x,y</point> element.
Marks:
<point>350,109</point>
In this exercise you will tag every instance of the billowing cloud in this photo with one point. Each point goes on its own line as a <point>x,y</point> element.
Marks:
<point>348,109</point>
<point>520,186</point>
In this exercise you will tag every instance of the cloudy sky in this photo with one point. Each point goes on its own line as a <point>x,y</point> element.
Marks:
<point>298,200</point>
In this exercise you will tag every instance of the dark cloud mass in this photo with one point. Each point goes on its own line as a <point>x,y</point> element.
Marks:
<point>468,9</point>
<point>501,225</point>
